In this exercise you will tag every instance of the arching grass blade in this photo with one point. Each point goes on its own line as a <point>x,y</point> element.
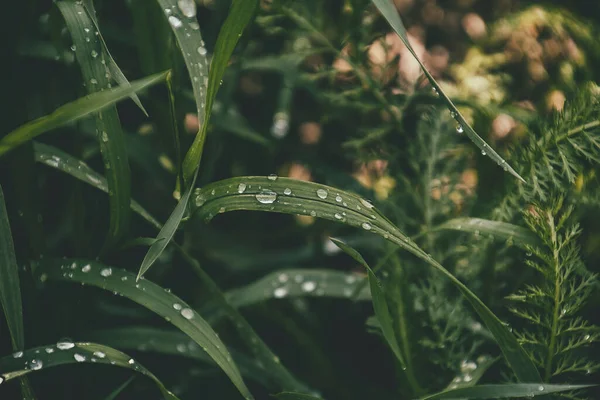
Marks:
<point>499,230</point>
<point>64,352</point>
<point>151,296</point>
<point>295,396</point>
<point>290,283</point>
<point>508,390</point>
<point>284,195</point>
<point>389,12</point>
<point>56,158</point>
<point>74,111</point>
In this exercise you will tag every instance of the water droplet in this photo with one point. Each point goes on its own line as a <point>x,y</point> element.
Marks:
<point>459,128</point>
<point>174,21</point>
<point>104,137</point>
<point>313,213</point>
<point>468,378</point>
<point>272,177</point>
<point>94,54</point>
<point>49,350</point>
<point>241,188</point>
<point>18,354</point>
<point>281,125</point>
<point>194,25</point>
<point>202,51</point>
<point>106,272</point>
<point>322,193</point>
<point>187,313</point>
<point>453,114</point>
<point>64,345</point>
<point>266,196</point>
<point>131,361</point>
<point>177,306</point>
<point>367,204</point>
<point>586,337</point>
<point>309,286</point>
<point>73,48</point>
<point>467,366</point>
<point>541,388</point>
<point>1,380</point>
<point>280,292</point>
<point>287,191</point>
<point>78,357</point>
<point>99,354</point>
<point>366,226</point>
<point>181,348</point>
<point>483,153</point>
<point>86,268</point>
<point>338,216</point>
<point>187,7</point>
<point>283,278</point>
<point>93,81</point>
<point>338,198</point>
<point>36,365</point>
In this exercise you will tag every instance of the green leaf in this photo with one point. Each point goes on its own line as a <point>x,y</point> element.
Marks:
<point>295,396</point>
<point>501,230</point>
<point>56,158</point>
<point>64,352</point>
<point>504,391</point>
<point>240,14</point>
<point>389,12</point>
<point>380,305</point>
<point>288,283</point>
<point>181,16</point>
<point>10,288</point>
<point>74,111</point>
<point>96,75</point>
<point>175,343</point>
<point>284,195</point>
<point>151,296</point>
<point>114,69</point>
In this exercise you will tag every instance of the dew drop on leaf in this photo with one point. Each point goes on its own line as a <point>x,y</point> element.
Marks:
<point>187,7</point>
<point>78,357</point>
<point>266,196</point>
<point>174,21</point>
<point>241,188</point>
<point>187,313</point>
<point>322,193</point>
<point>280,292</point>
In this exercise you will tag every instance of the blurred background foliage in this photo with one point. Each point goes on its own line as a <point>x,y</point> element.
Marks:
<point>320,91</point>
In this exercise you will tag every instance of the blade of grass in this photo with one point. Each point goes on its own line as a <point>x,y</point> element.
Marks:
<point>504,391</point>
<point>10,287</point>
<point>289,283</point>
<point>174,343</point>
<point>295,396</point>
<point>115,71</point>
<point>284,195</point>
<point>382,313</point>
<point>501,230</point>
<point>389,12</point>
<point>56,158</point>
<point>74,111</point>
<point>239,16</point>
<point>62,353</point>
<point>151,296</point>
<point>96,75</point>
<point>113,395</point>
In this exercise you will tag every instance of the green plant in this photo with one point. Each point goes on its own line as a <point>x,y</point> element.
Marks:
<point>259,287</point>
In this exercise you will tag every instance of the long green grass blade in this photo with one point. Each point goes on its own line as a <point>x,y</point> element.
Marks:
<point>284,195</point>
<point>10,287</point>
<point>380,305</point>
<point>92,61</point>
<point>173,343</point>
<point>74,111</point>
<point>181,16</point>
<point>290,283</point>
<point>64,352</point>
<point>295,396</point>
<point>499,230</point>
<point>56,158</point>
<point>389,12</point>
<point>240,14</point>
<point>508,390</point>
<point>151,296</point>
<point>113,395</point>
<point>114,69</point>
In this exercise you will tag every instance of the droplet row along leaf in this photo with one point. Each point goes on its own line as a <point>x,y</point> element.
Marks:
<point>389,12</point>
<point>67,352</point>
<point>150,296</point>
<point>284,195</point>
